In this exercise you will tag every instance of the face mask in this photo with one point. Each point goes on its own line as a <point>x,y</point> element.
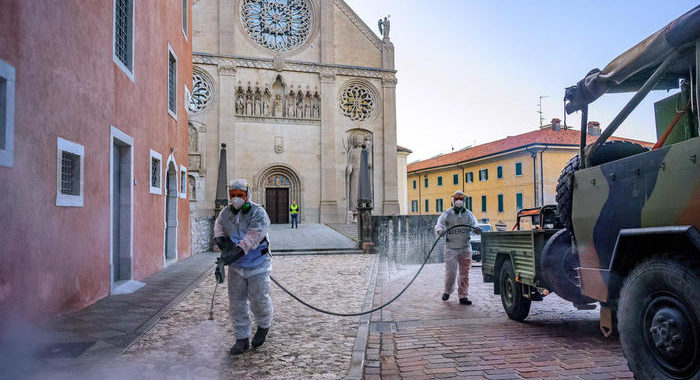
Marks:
<point>237,202</point>
<point>459,203</point>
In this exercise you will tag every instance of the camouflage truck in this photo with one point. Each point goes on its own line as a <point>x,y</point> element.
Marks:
<point>630,215</point>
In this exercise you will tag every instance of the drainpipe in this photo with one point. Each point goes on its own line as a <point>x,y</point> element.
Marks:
<point>542,176</point>
<point>533,154</point>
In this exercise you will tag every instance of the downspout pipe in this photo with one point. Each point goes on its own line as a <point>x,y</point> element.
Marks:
<point>542,176</point>
<point>533,154</point>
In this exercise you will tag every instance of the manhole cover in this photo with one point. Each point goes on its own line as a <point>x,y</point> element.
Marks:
<point>65,350</point>
<point>383,327</point>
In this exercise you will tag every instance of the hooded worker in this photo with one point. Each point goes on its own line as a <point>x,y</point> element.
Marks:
<point>240,231</point>
<point>458,251</point>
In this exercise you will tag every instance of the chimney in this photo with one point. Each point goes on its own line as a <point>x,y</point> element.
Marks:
<point>594,128</point>
<point>556,124</point>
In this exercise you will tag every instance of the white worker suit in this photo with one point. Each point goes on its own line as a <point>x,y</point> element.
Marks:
<point>458,251</point>
<point>249,276</point>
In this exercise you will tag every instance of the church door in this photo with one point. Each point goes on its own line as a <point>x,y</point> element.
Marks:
<point>277,204</point>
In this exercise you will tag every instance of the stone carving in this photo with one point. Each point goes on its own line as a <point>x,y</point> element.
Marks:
<point>193,141</point>
<point>202,90</point>
<point>279,25</point>
<point>192,188</point>
<point>272,101</point>
<point>279,144</point>
<point>355,141</point>
<point>194,162</point>
<point>326,71</point>
<point>356,102</point>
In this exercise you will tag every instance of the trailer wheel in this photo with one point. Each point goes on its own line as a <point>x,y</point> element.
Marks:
<point>659,318</point>
<point>608,152</point>
<point>516,306</point>
<point>558,265</point>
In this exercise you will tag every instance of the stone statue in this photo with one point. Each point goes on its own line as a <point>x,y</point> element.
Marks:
<point>291,99</point>
<point>380,24</point>
<point>248,104</point>
<point>240,104</point>
<point>352,172</point>
<point>191,188</point>
<point>387,25</point>
<point>314,109</point>
<point>307,108</point>
<point>266,104</point>
<point>300,107</point>
<point>277,111</point>
<point>258,104</point>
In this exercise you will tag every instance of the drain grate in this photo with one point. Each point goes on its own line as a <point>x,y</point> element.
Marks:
<point>65,350</point>
<point>383,327</point>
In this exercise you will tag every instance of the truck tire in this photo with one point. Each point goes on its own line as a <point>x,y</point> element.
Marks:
<point>659,318</point>
<point>608,152</point>
<point>516,306</point>
<point>558,267</point>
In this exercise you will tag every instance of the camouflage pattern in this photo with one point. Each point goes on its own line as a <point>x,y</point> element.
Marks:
<point>658,188</point>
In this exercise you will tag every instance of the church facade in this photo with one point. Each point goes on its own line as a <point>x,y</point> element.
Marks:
<point>295,89</point>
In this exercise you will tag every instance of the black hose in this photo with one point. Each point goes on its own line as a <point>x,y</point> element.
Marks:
<point>378,307</point>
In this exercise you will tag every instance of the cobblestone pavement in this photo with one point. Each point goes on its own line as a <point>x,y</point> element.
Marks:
<point>302,344</point>
<point>435,339</point>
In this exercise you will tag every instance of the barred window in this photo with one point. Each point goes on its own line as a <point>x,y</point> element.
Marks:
<point>414,206</point>
<point>438,205</point>
<point>70,174</point>
<point>155,172</point>
<point>468,203</point>
<point>123,31</point>
<point>172,83</point>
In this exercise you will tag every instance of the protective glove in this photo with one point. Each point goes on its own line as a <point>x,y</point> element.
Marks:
<point>220,273</point>
<point>232,255</point>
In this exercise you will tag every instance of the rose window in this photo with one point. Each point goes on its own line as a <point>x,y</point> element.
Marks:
<point>201,93</point>
<point>279,25</point>
<point>356,102</point>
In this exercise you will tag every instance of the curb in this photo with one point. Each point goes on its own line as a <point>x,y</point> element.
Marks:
<point>357,359</point>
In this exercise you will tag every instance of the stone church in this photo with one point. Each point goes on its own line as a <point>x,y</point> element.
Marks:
<point>295,89</point>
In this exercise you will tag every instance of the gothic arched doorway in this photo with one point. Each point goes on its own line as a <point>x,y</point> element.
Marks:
<point>277,187</point>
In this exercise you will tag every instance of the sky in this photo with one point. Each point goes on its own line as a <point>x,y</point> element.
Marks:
<point>470,72</point>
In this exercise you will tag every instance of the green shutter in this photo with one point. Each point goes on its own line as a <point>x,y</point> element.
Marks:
<point>519,201</point>
<point>483,203</point>
<point>518,168</point>
<point>500,202</point>
<point>499,172</point>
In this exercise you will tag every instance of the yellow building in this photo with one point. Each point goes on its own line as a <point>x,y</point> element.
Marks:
<point>499,178</point>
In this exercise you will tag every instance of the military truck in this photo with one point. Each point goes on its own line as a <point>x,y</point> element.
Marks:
<point>629,216</point>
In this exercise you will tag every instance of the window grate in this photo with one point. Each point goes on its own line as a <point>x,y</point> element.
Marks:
<point>122,29</point>
<point>155,172</point>
<point>171,83</point>
<point>70,166</point>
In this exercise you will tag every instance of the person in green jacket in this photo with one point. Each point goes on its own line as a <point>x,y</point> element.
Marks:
<point>294,211</point>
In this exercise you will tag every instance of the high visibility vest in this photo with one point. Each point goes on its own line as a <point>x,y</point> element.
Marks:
<point>294,209</point>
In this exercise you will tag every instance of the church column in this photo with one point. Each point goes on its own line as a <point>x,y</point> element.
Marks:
<point>227,102</point>
<point>391,196</point>
<point>329,173</point>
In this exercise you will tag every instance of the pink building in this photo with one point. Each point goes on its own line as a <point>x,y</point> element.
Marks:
<point>93,126</point>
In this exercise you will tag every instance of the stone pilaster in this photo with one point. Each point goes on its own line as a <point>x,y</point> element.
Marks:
<point>327,32</point>
<point>227,25</point>
<point>227,117</point>
<point>391,196</point>
<point>329,174</point>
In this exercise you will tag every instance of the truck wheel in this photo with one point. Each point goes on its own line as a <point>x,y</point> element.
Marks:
<point>558,264</point>
<point>516,306</point>
<point>608,152</point>
<point>658,319</point>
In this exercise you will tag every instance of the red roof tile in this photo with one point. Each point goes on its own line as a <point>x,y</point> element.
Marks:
<point>545,136</point>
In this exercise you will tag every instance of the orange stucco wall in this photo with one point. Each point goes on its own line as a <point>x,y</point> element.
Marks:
<point>57,259</point>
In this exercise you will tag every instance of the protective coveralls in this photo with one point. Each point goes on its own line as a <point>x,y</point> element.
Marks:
<point>248,276</point>
<point>458,251</point>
